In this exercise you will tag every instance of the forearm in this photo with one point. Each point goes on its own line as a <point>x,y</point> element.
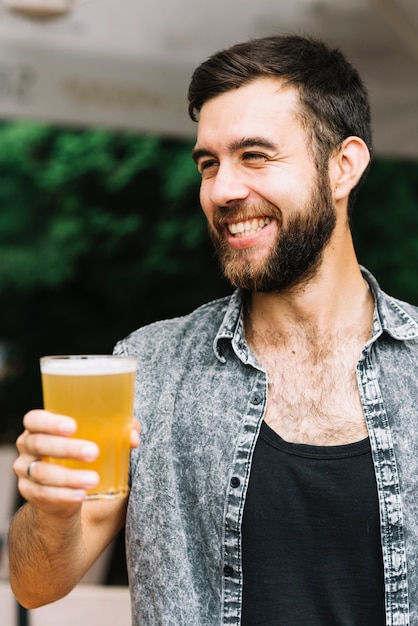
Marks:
<point>47,556</point>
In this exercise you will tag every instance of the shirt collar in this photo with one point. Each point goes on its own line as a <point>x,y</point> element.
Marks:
<point>231,329</point>
<point>399,319</point>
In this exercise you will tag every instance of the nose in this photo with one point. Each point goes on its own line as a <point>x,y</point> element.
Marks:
<point>227,186</point>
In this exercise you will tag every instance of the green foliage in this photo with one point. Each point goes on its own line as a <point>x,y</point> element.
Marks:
<point>65,193</point>
<point>385,226</point>
<point>100,232</point>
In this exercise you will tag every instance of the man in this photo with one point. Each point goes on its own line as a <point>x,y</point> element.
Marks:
<point>275,479</point>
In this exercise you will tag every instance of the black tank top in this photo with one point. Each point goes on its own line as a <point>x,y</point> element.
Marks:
<point>311,536</point>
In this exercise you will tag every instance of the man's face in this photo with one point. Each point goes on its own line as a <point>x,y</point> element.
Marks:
<point>270,212</point>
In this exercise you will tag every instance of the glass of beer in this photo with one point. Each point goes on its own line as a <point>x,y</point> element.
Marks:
<point>98,392</point>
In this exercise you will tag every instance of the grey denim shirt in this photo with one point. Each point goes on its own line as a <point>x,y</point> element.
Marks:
<point>201,397</point>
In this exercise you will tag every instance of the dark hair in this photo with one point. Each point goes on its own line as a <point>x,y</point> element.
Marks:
<point>334,101</point>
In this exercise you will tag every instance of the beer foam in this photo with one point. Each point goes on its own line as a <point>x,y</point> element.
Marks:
<point>87,366</point>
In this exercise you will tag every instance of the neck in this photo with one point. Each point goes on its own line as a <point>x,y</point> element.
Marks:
<point>334,301</point>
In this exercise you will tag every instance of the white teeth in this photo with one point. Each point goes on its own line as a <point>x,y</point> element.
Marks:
<point>248,227</point>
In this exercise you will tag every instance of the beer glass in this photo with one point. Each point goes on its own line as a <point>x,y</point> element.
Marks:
<point>98,392</point>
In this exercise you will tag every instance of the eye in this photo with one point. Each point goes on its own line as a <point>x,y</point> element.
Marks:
<point>207,165</point>
<point>254,157</point>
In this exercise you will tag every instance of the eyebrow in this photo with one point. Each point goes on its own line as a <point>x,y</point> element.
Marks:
<point>239,144</point>
<point>198,153</point>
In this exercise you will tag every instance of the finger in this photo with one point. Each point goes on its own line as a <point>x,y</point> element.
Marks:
<point>50,474</point>
<point>39,445</point>
<point>46,422</point>
<point>135,433</point>
<point>51,500</point>
<point>48,482</point>
<point>46,472</point>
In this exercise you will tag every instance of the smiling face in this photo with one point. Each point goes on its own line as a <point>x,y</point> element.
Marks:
<point>270,212</point>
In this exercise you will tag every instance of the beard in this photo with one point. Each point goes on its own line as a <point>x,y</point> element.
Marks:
<point>299,246</point>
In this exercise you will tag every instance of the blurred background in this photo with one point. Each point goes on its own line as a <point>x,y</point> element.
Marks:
<point>100,226</point>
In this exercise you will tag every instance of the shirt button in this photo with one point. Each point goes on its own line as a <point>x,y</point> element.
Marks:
<point>235,481</point>
<point>228,570</point>
<point>256,399</point>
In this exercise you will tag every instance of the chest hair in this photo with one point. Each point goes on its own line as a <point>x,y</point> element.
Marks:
<point>313,396</point>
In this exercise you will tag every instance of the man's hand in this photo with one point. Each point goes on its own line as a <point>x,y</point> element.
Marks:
<point>50,487</point>
<point>54,489</point>
<point>57,535</point>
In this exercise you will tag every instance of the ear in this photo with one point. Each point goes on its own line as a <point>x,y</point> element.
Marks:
<point>348,165</point>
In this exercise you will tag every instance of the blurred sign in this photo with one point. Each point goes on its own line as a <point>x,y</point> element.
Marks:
<point>127,64</point>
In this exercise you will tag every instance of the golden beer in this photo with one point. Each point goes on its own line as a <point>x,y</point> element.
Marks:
<point>98,392</point>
